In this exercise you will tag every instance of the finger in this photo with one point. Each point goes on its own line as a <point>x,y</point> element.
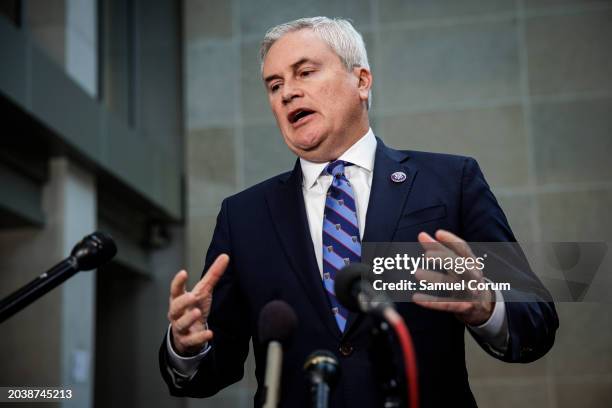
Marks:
<point>434,303</point>
<point>433,277</point>
<point>179,304</point>
<point>193,340</point>
<point>439,254</point>
<point>177,287</point>
<point>449,261</point>
<point>212,276</point>
<point>429,243</point>
<point>459,246</point>
<point>184,323</point>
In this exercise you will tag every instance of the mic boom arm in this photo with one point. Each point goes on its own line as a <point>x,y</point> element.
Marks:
<point>92,251</point>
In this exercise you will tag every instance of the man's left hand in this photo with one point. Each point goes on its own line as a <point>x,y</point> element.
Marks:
<point>478,307</point>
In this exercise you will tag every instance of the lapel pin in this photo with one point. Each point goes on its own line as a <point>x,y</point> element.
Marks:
<point>398,177</point>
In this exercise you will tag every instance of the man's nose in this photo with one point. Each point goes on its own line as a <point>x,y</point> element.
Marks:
<point>290,91</point>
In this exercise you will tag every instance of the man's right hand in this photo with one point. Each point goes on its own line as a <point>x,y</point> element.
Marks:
<point>188,310</point>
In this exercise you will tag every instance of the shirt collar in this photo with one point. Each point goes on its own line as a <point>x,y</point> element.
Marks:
<point>360,154</point>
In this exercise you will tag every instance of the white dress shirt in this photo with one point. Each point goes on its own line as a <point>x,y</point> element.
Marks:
<point>315,184</point>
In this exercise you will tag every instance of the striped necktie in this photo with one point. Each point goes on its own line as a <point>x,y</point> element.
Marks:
<point>341,243</point>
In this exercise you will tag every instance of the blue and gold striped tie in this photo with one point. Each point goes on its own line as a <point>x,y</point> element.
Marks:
<point>341,243</point>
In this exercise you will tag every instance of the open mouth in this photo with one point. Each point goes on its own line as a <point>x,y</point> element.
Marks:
<point>298,115</point>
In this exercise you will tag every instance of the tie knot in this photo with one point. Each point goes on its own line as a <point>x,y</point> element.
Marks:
<point>336,168</point>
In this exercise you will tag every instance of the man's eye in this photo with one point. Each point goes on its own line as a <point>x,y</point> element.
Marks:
<point>306,73</point>
<point>274,87</point>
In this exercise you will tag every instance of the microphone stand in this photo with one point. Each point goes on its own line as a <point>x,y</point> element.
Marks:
<point>385,365</point>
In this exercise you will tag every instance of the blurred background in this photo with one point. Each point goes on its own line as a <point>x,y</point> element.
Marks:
<point>138,117</point>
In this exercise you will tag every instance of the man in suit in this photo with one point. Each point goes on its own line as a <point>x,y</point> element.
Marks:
<point>274,241</point>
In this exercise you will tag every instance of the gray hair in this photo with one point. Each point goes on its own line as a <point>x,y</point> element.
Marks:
<point>338,33</point>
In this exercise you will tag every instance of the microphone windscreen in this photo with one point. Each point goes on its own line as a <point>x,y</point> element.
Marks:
<point>277,322</point>
<point>94,250</point>
<point>345,283</point>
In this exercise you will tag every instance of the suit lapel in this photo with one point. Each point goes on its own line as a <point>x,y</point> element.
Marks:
<point>387,200</point>
<point>288,213</point>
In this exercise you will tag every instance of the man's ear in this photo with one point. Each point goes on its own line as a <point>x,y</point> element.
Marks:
<point>364,85</point>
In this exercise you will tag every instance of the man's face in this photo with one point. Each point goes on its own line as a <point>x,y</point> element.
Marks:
<point>319,106</point>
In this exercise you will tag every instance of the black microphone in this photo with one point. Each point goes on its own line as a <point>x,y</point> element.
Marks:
<point>323,370</point>
<point>91,252</point>
<point>354,290</point>
<point>277,322</point>
<point>353,287</point>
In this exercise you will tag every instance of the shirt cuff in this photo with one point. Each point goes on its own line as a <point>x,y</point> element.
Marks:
<point>185,367</point>
<point>494,332</point>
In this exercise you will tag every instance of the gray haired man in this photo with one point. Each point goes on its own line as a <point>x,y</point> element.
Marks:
<point>274,241</point>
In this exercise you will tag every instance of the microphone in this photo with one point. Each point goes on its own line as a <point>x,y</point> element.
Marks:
<point>91,252</point>
<point>277,322</point>
<point>354,290</point>
<point>322,369</point>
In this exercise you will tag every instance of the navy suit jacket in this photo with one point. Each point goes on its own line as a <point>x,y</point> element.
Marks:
<point>264,229</point>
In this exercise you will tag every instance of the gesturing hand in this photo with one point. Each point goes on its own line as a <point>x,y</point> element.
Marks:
<point>188,310</point>
<point>472,307</point>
